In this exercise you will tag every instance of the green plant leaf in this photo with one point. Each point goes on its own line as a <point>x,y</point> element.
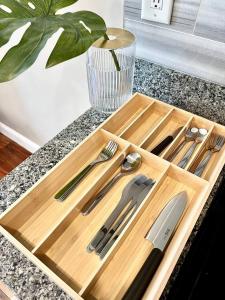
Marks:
<point>80,30</point>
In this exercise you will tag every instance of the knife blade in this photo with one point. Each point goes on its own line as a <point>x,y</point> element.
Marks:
<point>166,141</point>
<point>159,235</point>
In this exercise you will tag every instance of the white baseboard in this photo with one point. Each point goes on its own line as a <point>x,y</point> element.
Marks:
<point>18,138</point>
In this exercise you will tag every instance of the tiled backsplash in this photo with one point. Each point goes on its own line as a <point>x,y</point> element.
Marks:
<point>210,21</point>
<point>193,43</point>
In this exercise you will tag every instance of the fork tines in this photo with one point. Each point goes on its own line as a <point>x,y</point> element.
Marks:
<point>216,142</point>
<point>110,148</point>
<point>220,141</point>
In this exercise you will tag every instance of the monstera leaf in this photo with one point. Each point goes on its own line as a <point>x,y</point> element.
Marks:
<point>80,30</point>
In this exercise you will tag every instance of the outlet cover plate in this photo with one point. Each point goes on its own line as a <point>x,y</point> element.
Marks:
<point>157,10</point>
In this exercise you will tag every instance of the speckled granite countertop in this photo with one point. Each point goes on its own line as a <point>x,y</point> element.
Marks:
<point>192,94</point>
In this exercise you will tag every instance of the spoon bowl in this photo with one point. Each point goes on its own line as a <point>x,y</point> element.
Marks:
<point>131,162</point>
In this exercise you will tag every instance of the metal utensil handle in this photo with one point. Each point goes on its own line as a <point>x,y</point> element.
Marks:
<point>104,229</point>
<point>183,163</point>
<point>127,195</point>
<point>90,205</point>
<point>176,151</point>
<point>107,247</point>
<point>111,232</point>
<point>200,168</point>
<point>137,203</point>
<point>134,205</point>
<point>109,244</point>
<point>69,187</point>
<point>125,198</point>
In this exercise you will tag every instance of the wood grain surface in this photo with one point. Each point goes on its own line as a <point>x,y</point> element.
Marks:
<point>54,235</point>
<point>11,155</point>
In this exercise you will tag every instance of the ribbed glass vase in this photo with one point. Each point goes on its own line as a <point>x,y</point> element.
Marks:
<point>110,70</point>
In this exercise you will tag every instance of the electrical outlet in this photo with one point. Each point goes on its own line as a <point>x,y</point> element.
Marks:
<point>157,4</point>
<point>157,10</point>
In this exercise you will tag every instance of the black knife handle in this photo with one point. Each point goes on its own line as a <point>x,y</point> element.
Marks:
<point>161,146</point>
<point>144,276</point>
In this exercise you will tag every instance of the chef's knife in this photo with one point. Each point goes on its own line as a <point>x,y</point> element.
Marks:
<point>166,141</point>
<point>159,235</point>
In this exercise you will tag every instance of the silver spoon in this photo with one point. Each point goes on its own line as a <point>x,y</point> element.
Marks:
<point>130,164</point>
<point>189,136</point>
<point>202,132</point>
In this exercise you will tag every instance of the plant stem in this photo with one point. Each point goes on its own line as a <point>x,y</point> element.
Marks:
<point>115,59</point>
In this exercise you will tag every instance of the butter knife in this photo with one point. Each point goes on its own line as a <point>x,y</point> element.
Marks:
<point>134,186</point>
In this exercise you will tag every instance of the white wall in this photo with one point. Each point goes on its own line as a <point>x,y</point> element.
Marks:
<point>40,103</point>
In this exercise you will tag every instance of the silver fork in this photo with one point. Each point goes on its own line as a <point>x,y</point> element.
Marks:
<point>215,145</point>
<point>107,153</point>
<point>119,226</point>
<point>135,185</point>
<point>189,136</point>
<point>137,198</point>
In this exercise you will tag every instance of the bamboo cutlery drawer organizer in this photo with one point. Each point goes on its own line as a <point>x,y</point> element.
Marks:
<point>55,234</point>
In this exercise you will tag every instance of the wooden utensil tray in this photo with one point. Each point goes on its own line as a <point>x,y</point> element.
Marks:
<point>54,234</point>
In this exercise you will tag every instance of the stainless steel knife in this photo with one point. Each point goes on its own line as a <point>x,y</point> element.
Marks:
<point>129,195</point>
<point>159,235</point>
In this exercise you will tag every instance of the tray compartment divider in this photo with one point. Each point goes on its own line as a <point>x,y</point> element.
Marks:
<point>155,130</point>
<point>125,114</point>
<point>93,189</point>
<point>93,277</point>
<point>182,175</point>
<point>194,121</point>
<point>177,139</point>
<point>156,114</point>
<point>199,149</point>
<point>57,245</point>
<point>139,247</point>
<point>39,252</point>
<point>184,228</point>
<point>129,127</point>
<point>37,187</point>
<point>40,264</point>
<point>217,158</point>
<point>172,121</point>
<point>90,190</point>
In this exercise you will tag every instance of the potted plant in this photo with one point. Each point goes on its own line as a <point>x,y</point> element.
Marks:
<point>80,30</point>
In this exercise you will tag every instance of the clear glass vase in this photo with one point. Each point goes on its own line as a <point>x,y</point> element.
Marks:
<point>110,70</point>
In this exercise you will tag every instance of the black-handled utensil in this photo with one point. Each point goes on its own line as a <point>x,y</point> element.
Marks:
<point>159,235</point>
<point>161,146</point>
<point>166,142</point>
<point>141,282</point>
